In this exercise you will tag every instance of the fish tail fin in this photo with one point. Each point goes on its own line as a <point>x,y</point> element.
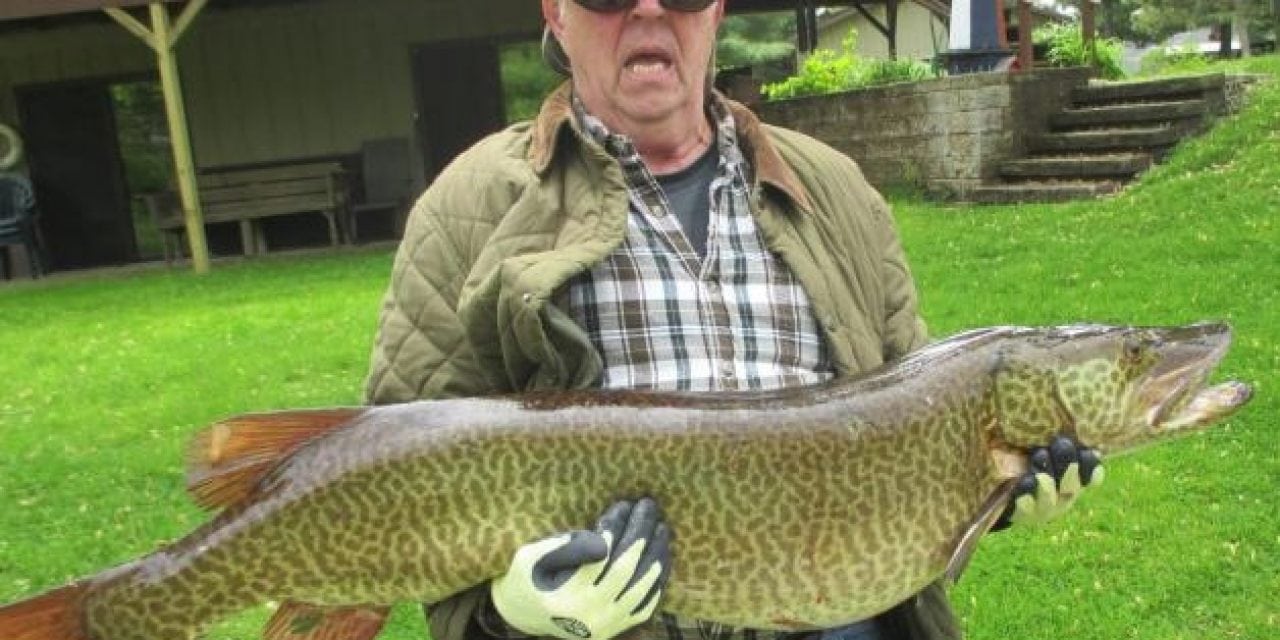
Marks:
<point>55,615</point>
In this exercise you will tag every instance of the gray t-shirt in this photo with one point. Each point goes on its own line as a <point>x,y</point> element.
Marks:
<point>688,193</point>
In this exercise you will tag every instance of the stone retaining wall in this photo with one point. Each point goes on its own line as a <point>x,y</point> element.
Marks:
<point>946,135</point>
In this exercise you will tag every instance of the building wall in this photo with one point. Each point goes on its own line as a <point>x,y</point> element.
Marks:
<point>946,135</point>
<point>921,34</point>
<point>282,81</point>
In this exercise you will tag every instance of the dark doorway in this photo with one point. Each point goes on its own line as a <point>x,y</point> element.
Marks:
<point>75,164</point>
<point>458,89</point>
<point>146,153</point>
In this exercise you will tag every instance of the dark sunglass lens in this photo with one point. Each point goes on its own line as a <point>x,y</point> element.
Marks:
<point>687,5</point>
<point>606,6</point>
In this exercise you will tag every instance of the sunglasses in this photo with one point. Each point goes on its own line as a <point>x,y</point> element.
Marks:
<point>614,6</point>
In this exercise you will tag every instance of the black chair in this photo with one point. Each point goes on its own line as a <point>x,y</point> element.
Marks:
<point>387,182</point>
<point>18,224</point>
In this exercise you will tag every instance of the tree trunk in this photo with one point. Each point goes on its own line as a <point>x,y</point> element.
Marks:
<point>1240,22</point>
<point>1275,21</point>
<point>1224,40</point>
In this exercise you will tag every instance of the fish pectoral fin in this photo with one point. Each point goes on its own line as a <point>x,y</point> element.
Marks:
<point>967,544</point>
<point>226,461</point>
<point>302,621</point>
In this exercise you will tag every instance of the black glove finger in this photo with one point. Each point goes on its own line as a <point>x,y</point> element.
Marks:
<point>644,517</point>
<point>1039,459</point>
<point>1026,485</point>
<point>1089,462</point>
<point>614,519</point>
<point>556,567</point>
<point>658,550</point>
<point>1062,454</point>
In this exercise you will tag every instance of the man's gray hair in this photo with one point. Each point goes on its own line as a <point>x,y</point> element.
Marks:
<point>553,54</point>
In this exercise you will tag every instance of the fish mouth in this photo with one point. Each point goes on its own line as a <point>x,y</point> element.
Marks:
<point>1175,392</point>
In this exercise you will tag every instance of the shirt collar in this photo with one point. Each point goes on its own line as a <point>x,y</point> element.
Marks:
<point>743,127</point>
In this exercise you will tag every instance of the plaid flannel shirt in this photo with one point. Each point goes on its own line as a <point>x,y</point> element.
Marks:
<point>662,317</point>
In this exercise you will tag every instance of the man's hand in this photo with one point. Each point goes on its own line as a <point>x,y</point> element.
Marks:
<point>589,584</point>
<point>1058,475</point>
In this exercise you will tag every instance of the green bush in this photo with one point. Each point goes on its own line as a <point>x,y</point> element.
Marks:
<point>1186,60</point>
<point>826,71</point>
<point>1065,43</point>
<point>526,80</point>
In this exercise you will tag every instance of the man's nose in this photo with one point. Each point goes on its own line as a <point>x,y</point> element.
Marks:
<point>648,8</point>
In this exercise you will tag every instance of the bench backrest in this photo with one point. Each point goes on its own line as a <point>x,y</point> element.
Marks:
<point>253,193</point>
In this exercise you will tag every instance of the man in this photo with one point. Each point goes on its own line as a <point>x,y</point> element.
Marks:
<point>646,233</point>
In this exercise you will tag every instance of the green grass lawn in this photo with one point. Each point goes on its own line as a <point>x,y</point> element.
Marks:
<point>105,376</point>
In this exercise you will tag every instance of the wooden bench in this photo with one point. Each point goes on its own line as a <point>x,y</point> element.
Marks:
<point>247,196</point>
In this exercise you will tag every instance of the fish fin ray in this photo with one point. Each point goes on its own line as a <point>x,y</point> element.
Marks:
<point>54,615</point>
<point>226,461</point>
<point>302,621</point>
<point>967,544</point>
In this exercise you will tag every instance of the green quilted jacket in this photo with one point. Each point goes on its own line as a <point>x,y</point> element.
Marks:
<point>470,307</point>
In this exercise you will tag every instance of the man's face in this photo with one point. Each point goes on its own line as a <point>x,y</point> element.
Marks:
<point>640,66</point>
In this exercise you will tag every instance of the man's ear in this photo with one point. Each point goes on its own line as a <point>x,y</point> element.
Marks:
<point>551,14</point>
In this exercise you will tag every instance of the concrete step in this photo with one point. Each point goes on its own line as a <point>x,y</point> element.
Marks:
<point>1134,113</point>
<point>1127,139</point>
<point>1147,91</point>
<point>1119,165</point>
<point>1042,191</point>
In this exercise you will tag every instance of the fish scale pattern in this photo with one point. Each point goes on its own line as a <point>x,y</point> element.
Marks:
<point>793,509</point>
<point>799,524</point>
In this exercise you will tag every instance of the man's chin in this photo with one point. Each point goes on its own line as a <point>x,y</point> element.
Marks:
<point>653,105</point>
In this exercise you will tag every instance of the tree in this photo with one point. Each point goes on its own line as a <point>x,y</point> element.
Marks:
<point>1240,25</point>
<point>1159,19</point>
<point>1275,22</point>
<point>1115,20</point>
<point>753,38</point>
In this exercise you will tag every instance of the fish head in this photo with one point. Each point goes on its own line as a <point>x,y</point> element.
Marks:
<point>1112,388</point>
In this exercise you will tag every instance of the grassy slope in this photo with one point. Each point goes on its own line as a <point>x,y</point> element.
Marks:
<point>1183,541</point>
<point>103,378</point>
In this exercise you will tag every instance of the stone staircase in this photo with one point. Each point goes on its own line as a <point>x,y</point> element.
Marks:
<point>1107,135</point>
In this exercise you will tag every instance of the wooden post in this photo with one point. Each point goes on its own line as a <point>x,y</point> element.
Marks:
<point>1087,31</point>
<point>1026,50</point>
<point>891,21</point>
<point>806,28</point>
<point>180,134</point>
<point>163,37</point>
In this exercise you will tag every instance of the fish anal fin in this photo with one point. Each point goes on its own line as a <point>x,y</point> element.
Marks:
<point>227,460</point>
<point>967,543</point>
<point>302,621</point>
<point>55,615</point>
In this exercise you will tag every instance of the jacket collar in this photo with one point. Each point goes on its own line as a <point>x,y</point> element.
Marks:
<point>769,167</point>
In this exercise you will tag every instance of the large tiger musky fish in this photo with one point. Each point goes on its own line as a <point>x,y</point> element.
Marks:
<point>794,509</point>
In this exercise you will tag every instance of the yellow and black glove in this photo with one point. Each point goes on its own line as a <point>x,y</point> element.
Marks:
<point>1058,475</point>
<point>589,584</point>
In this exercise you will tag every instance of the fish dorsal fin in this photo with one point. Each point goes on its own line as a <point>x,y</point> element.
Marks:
<point>227,460</point>
<point>967,544</point>
<point>301,621</point>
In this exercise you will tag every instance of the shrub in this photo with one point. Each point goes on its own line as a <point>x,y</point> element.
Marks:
<point>826,71</point>
<point>1163,61</point>
<point>1066,49</point>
